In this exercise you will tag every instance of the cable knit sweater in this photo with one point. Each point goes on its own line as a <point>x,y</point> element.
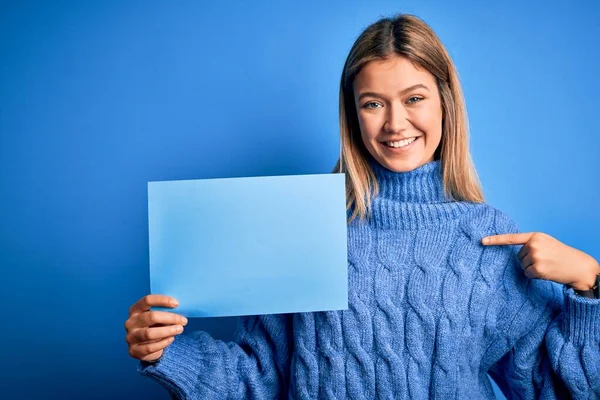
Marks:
<point>431,313</point>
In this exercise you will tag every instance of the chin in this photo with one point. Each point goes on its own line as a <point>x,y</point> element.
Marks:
<point>401,165</point>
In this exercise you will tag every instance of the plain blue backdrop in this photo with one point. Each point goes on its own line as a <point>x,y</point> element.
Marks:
<point>99,97</point>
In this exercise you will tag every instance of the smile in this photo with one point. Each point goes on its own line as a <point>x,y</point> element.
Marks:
<point>401,143</point>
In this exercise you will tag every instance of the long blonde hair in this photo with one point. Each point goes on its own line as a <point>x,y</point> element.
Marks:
<point>409,36</point>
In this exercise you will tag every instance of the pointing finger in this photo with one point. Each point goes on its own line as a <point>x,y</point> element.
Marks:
<point>508,238</point>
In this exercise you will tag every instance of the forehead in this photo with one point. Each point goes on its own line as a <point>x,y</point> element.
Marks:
<point>392,74</point>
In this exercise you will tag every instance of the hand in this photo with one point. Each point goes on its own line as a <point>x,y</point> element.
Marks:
<point>150,332</point>
<point>544,257</point>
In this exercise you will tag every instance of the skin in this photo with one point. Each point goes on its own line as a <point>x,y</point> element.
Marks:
<point>544,257</point>
<point>394,100</point>
<point>150,332</point>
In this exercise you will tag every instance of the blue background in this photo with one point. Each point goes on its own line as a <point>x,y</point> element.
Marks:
<point>99,97</point>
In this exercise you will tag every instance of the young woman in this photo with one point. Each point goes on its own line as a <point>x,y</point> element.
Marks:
<point>437,297</point>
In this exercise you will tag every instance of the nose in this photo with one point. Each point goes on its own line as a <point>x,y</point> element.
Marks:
<point>396,119</point>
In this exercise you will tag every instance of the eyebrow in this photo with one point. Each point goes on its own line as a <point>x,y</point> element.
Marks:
<point>403,91</point>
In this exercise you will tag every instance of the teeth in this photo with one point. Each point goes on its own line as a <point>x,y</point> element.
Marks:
<point>401,143</point>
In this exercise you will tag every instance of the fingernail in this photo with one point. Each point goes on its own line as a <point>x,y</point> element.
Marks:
<point>184,320</point>
<point>486,240</point>
<point>174,303</point>
<point>179,329</point>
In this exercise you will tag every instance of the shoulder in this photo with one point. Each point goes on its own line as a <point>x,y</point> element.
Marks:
<point>486,220</point>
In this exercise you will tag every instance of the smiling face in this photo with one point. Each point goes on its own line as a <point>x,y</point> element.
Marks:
<point>399,112</point>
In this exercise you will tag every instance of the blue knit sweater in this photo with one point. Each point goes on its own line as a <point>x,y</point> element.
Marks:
<point>431,313</point>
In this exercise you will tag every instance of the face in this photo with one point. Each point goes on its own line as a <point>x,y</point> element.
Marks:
<point>399,112</point>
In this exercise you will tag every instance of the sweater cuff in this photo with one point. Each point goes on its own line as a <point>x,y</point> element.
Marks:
<point>176,370</point>
<point>582,318</point>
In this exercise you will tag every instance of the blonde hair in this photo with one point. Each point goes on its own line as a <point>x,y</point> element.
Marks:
<point>409,36</point>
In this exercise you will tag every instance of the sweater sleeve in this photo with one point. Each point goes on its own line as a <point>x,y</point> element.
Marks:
<point>547,338</point>
<point>254,366</point>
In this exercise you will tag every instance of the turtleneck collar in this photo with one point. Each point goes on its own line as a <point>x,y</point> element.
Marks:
<point>421,185</point>
<point>413,199</point>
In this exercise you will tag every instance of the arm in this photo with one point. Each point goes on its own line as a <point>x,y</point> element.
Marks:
<point>254,366</point>
<point>548,336</point>
<point>558,356</point>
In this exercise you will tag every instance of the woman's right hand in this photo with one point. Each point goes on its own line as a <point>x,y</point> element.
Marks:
<point>149,332</point>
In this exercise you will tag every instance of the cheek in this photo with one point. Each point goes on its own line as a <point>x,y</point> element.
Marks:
<point>429,121</point>
<point>368,127</point>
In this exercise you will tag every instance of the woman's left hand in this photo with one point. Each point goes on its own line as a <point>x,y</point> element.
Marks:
<point>544,257</point>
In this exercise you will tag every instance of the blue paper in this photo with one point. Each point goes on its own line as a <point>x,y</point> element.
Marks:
<point>248,246</point>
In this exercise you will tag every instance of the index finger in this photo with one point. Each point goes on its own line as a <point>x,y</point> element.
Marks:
<point>507,238</point>
<point>152,300</point>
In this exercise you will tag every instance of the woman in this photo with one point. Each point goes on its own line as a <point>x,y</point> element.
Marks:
<point>436,299</point>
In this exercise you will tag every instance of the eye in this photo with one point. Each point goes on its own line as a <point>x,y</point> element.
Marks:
<point>372,104</point>
<point>414,99</point>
